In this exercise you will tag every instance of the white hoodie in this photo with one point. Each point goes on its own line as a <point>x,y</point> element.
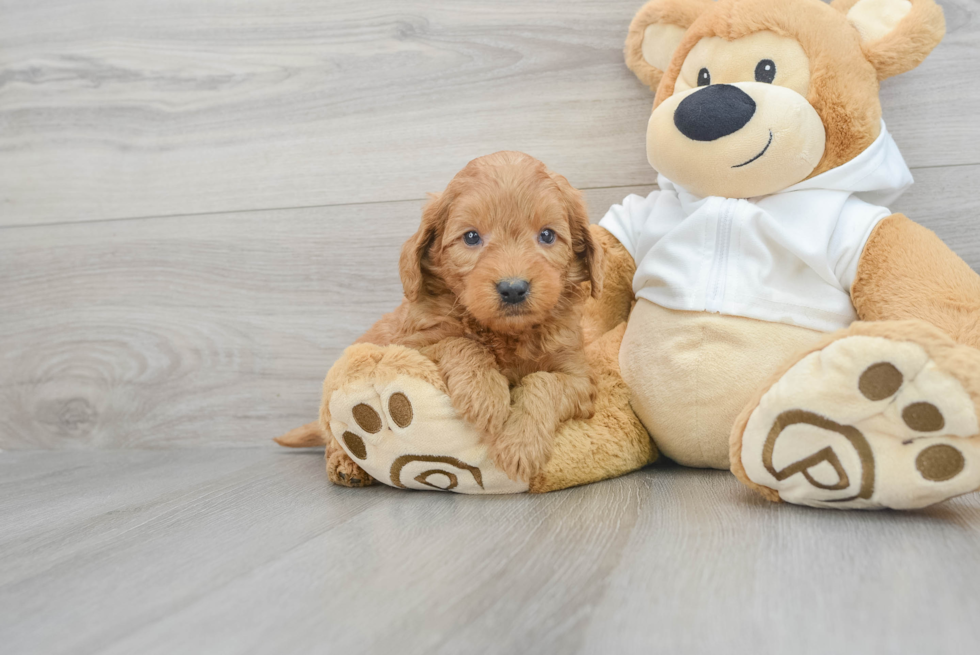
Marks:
<point>789,257</point>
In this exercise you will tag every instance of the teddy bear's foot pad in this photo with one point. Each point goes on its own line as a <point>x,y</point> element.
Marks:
<point>866,422</point>
<point>405,433</point>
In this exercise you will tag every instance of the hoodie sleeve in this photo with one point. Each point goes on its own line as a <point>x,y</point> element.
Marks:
<point>625,221</point>
<point>858,220</point>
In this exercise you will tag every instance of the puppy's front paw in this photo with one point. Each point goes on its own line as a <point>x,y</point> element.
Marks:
<point>342,471</point>
<point>487,411</point>
<point>522,449</point>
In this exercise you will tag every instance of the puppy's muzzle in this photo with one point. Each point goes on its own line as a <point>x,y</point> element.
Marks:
<point>513,291</point>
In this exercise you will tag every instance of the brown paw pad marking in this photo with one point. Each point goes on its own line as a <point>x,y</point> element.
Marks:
<point>451,478</point>
<point>940,462</point>
<point>355,444</point>
<point>883,380</point>
<point>923,417</point>
<point>852,434</point>
<point>450,471</point>
<point>400,409</point>
<point>880,381</point>
<point>367,418</point>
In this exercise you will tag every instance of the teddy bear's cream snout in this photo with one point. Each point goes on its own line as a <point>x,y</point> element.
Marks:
<point>736,140</point>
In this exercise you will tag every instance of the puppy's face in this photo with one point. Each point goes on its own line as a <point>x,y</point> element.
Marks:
<point>507,252</point>
<point>510,240</point>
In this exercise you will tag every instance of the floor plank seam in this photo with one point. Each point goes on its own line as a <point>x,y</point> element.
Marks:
<point>221,212</point>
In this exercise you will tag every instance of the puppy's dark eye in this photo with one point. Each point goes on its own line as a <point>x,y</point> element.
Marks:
<point>765,71</point>
<point>704,77</point>
<point>472,238</point>
<point>547,236</point>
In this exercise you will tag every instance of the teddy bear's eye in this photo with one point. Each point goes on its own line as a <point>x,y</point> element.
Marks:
<point>704,77</point>
<point>472,238</point>
<point>765,71</point>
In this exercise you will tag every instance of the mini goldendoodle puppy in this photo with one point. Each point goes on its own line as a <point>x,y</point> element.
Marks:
<point>495,281</point>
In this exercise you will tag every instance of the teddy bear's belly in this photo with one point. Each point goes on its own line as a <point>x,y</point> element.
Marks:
<point>691,373</point>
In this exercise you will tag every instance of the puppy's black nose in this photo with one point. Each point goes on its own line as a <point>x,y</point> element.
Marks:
<point>715,111</point>
<point>513,290</point>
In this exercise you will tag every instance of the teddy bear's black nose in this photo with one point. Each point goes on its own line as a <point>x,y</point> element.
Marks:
<point>715,111</point>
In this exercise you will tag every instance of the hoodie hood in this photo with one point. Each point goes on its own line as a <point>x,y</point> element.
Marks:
<point>879,175</point>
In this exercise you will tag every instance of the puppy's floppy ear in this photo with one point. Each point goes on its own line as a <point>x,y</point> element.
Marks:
<point>586,249</point>
<point>411,264</point>
<point>896,35</point>
<point>654,34</point>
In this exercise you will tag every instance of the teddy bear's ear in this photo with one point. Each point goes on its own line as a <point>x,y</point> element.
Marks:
<point>654,34</point>
<point>896,35</point>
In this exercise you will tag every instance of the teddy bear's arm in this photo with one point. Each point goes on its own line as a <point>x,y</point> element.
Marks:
<point>906,272</point>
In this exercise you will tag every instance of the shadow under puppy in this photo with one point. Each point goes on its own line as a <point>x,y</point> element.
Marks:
<point>495,281</point>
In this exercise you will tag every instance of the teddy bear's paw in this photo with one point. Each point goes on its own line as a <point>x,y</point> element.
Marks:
<point>866,422</point>
<point>405,433</point>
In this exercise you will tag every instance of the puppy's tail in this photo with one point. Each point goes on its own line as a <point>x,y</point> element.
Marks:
<point>305,436</point>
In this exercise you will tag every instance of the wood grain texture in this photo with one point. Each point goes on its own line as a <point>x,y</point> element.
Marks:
<point>111,108</point>
<point>252,551</point>
<point>944,199</point>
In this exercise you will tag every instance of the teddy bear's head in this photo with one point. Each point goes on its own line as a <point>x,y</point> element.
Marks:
<point>753,96</point>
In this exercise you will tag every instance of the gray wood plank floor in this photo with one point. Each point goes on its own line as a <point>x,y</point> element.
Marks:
<point>236,551</point>
<point>201,205</point>
<point>113,108</point>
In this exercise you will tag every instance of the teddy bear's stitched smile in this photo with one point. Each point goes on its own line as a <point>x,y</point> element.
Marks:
<point>768,143</point>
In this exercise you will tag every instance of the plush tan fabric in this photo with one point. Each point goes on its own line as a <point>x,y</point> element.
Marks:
<point>659,42</point>
<point>716,168</point>
<point>909,437</point>
<point>844,69</point>
<point>691,373</point>
<point>906,271</point>
<point>843,84</point>
<point>911,38</point>
<point>732,62</point>
<point>874,19</point>
<point>669,12</point>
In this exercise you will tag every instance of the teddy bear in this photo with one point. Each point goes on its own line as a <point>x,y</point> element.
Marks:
<point>763,310</point>
<point>788,325</point>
